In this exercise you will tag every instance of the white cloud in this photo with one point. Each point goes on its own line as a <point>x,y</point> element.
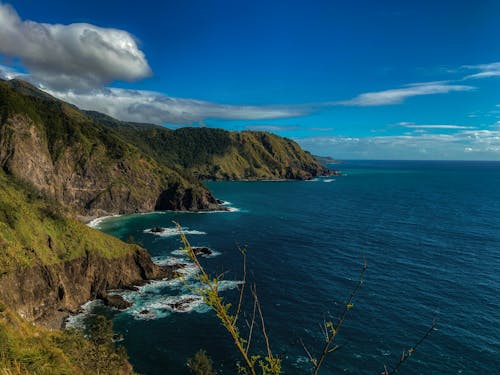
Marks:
<point>72,56</point>
<point>412,125</point>
<point>148,106</point>
<point>463,145</point>
<point>399,95</point>
<point>9,73</point>
<point>272,128</point>
<point>483,70</point>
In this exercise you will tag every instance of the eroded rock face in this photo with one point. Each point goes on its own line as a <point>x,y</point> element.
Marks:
<point>90,180</point>
<point>47,294</point>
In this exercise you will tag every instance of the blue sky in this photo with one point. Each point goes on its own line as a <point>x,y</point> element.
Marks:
<point>359,79</point>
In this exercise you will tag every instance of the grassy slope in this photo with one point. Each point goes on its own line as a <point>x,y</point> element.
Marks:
<point>27,220</point>
<point>29,349</point>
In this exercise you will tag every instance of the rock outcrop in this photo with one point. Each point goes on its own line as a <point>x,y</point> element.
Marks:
<point>46,294</point>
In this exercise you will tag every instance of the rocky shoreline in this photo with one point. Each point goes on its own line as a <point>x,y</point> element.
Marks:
<point>48,294</point>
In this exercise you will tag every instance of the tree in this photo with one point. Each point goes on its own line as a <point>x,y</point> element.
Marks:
<point>201,364</point>
<point>105,358</point>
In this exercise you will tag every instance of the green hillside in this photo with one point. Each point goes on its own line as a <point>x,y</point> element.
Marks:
<point>209,153</point>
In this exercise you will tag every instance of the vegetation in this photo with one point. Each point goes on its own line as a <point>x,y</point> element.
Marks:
<point>29,349</point>
<point>209,153</point>
<point>34,229</point>
<point>201,364</point>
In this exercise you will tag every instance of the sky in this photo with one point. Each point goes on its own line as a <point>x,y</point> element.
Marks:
<point>347,79</point>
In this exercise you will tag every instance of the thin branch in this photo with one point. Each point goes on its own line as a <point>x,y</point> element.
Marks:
<point>251,327</point>
<point>313,361</point>
<point>242,290</point>
<point>334,330</point>
<point>259,309</point>
<point>216,302</point>
<point>407,354</point>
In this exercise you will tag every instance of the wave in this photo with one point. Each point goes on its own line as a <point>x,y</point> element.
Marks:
<point>168,261</point>
<point>163,306</point>
<point>78,320</point>
<point>182,252</point>
<point>97,221</point>
<point>229,285</point>
<point>329,180</point>
<point>228,209</point>
<point>171,232</point>
<point>313,180</point>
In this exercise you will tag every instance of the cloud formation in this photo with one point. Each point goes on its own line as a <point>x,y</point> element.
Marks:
<point>484,70</point>
<point>399,95</point>
<point>463,145</point>
<point>148,106</point>
<point>412,125</point>
<point>272,128</point>
<point>76,56</point>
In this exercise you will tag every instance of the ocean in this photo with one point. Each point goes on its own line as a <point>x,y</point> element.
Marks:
<point>430,233</point>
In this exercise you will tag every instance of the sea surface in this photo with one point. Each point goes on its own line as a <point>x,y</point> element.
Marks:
<point>430,233</point>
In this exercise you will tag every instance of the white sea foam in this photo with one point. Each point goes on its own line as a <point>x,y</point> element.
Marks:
<point>228,209</point>
<point>162,306</point>
<point>172,231</point>
<point>313,180</point>
<point>329,180</point>
<point>229,284</point>
<point>78,320</point>
<point>182,253</point>
<point>97,221</point>
<point>168,261</point>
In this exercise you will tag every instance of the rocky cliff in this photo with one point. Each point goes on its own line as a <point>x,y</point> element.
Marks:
<point>46,294</point>
<point>83,165</point>
<point>50,264</point>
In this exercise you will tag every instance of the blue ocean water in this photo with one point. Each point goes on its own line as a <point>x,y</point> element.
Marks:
<point>430,232</point>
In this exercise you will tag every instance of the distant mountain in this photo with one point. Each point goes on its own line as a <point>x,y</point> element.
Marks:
<point>326,160</point>
<point>217,154</point>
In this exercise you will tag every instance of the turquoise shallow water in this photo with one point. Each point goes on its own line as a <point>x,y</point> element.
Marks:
<point>430,232</point>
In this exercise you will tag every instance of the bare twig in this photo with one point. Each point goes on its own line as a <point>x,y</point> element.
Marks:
<point>407,354</point>
<point>259,309</point>
<point>333,330</point>
<point>250,331</point>
<point>242,290</point>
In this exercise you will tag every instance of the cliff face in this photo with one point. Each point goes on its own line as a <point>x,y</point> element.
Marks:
<point>50,264</point>
<point>71,157</point>
<point>45,294</point>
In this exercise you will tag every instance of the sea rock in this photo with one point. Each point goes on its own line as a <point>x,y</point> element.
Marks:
<point>41,292</point>
<point>157,230</point>
<point>182,305</point>
<point>116,301</point>
<point>202,251</point>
